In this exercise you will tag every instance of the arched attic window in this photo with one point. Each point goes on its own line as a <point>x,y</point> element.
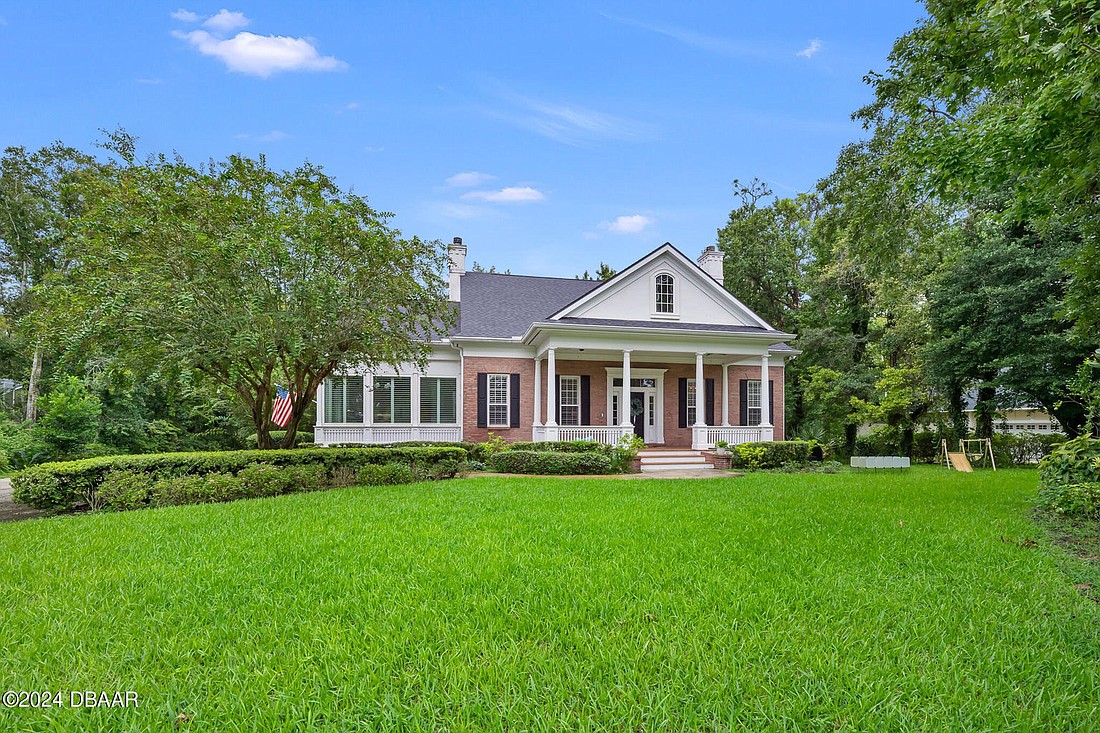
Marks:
<point>665,302</point>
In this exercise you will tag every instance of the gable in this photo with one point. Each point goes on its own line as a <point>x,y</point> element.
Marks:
<point>632,294</point>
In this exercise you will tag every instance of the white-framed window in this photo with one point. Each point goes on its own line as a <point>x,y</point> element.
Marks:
<point>392,400</point>
<point>344,400</point>
<point>438,400</point>
<point>753,402</point>
<point>569,409</point>
<point>664,294</point>
<point>693,402</point>
<point>499,402</point>
<point>615,408</point>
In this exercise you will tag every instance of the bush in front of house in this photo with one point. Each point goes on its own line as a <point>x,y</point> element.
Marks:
<point>389,474</point>
<point>770,454</point>
<point>1069,479</point>
<point>552,462</point>
<point>564,446</point>
<point>1024,449</point>
<point>59,486</point>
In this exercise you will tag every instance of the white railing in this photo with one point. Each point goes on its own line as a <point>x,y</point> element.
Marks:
<point>324,435</point>
<point>705,438</point>
<point>607,434</point>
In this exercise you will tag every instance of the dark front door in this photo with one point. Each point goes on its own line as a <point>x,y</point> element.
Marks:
<point>637,413</point>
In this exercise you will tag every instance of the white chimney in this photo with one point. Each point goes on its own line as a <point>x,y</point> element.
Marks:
<point>711,262</point>
<point>457,251</point>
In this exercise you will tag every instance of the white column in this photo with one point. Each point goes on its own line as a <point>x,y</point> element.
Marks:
<point>764,394</point>
<point>538,390</point>
<point>551,379</point>
<point>725,395</point>
<point>414,406</point>
<point>700,393</point>
<point>624,400</point>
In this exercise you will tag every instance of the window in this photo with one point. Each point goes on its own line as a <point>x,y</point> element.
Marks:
<point>498,401</point>
<point>754,402</point>
<point>344,399</point>
<point>393,400</point>
<point>438,402</point>
<point>569,410</point>
<point>692,402</point>
<point>615,409</point>
<point>665,302</point>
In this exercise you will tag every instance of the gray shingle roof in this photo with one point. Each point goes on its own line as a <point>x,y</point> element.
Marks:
<point>502,306</point>
<point>675,325</point>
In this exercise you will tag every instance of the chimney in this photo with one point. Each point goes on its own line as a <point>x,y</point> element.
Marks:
<point>457,251</point>
<point>711,262</point>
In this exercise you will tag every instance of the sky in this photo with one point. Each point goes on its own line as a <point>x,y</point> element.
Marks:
<point>550,136</point>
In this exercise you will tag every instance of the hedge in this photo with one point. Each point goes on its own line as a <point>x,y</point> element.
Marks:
<point>771,454</point>
<point>550,462</point>
<point>1069,479</point>
<point>71,483</point>
<point>564,446</point>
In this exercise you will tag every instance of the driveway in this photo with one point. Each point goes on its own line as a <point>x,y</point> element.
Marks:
<point>9,510</point>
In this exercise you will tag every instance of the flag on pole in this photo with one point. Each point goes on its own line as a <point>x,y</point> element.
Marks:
<point>281,407</point>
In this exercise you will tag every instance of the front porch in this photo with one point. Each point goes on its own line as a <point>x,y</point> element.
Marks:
<point>703,438</point>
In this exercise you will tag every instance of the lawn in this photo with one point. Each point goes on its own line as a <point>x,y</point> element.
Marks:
<point>857,601</point>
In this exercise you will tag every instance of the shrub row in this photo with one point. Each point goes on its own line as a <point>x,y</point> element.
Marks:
<point>1009,449</point>
<point>773,454</point>
<point>564,446</point>
<point>72,483</point>
<point>551,462</point>
<point>1069,479</point>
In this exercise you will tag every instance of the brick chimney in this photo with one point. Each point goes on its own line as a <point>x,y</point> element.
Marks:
<point>457,251</point>
<point>711,262</point>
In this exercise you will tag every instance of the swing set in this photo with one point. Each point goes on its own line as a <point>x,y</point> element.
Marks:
<point>972,452</point>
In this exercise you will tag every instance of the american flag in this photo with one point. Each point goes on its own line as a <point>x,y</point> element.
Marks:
<point>281,407</point>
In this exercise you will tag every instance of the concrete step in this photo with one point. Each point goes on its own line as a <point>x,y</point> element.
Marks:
<point>669,460</point>
<point>658,468</point>
<point>668,453</point>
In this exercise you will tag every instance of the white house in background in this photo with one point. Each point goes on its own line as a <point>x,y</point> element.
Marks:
<point>661,350</point>
<point>1015,420</point>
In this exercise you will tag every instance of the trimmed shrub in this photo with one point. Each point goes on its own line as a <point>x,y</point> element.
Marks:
<point>71,483</point>
<point>183,490</point>
<point>1024,449</point>
<point>474,451</point>
<point>390,474</point>
<point>123,490</point>
<point>564,446</point>
<point>772,454</point>
<point>301,439</point>
<point>551,463</point>
<point>1080,501</point>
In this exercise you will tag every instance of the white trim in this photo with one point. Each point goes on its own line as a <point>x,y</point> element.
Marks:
<point>558,391</point>
<point>489,400</point>
<point>674,314</point>
<point>658,375</point>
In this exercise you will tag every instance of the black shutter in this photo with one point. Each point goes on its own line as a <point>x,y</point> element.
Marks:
<point>710,402</point>
<point>482,400</point>
<point>557,399</point>
<point>586,401</point>
<point>744,406</point>
<point>771,402</point>
<point>683,402</point>
<point>514,417</point>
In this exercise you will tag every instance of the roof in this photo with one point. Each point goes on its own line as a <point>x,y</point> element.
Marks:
<point>673,325</point>
<point>504,306</point>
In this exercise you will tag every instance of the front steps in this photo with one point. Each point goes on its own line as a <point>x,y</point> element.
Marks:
<point>654,461</point>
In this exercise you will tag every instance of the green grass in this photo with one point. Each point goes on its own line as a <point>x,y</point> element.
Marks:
<point>857,601</point>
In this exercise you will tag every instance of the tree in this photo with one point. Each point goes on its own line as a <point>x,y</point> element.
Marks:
<point>256,278</point>
<point>39,196</point>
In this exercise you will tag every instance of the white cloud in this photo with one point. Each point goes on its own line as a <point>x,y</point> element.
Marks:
<point>627,224</point>
<point>371,149</point>
<point>226,21</point>
<point>352,105</point>
<point>469,178</point>
<point>274,136</point>
<point>262,56</point>
<point>590,235</point>
<point>185,15</point>
<point>508,195</point>
<point>813,47</point>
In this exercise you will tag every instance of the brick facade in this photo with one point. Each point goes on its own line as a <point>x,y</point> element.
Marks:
<point>597,372</point>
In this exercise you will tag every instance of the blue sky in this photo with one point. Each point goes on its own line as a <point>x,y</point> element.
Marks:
<point>550,136</point>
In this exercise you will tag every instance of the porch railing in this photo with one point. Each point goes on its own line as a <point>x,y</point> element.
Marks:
<point>607,434</point>
<point>705,438</point>
<point>323,435</point>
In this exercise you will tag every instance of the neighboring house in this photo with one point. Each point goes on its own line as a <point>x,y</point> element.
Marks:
<point>540,358</point>
<point>1016,420</point>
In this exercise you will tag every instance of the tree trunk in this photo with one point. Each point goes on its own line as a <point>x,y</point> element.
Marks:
<point>984,411</point>
<point>32,385</point>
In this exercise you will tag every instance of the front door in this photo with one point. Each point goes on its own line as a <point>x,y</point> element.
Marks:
<point>638,413</point>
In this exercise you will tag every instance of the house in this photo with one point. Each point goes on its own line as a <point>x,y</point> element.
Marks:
<point>1016,419</point>
<point>661,350</point>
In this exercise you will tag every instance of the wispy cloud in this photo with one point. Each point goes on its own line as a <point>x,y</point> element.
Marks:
<point>268,137</point>
<point>226,21</point>
<point>150,82</point>
<point>249,53</point>
<point>372,149</point>
<point>508,195</point>
<point>713,44</point>
<point>566,123</point>
<point>469,179</point>
<point>813,47</point>
<point>631,224</point>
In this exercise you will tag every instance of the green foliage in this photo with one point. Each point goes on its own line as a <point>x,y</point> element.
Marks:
<point>123,490</point>
<point>1024,449</point>
<point>551,462</point>
<point>495,444</point>
<point>1077,501</point>
<point>69,419</point>
<point>770,454</point>
<point>563,446</point>
<point>1076,461</point>
<point>22,445</point>
<point>59,486</point>
<point>625,451</point>
<point>387,474</point>
<point>476,451</point>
